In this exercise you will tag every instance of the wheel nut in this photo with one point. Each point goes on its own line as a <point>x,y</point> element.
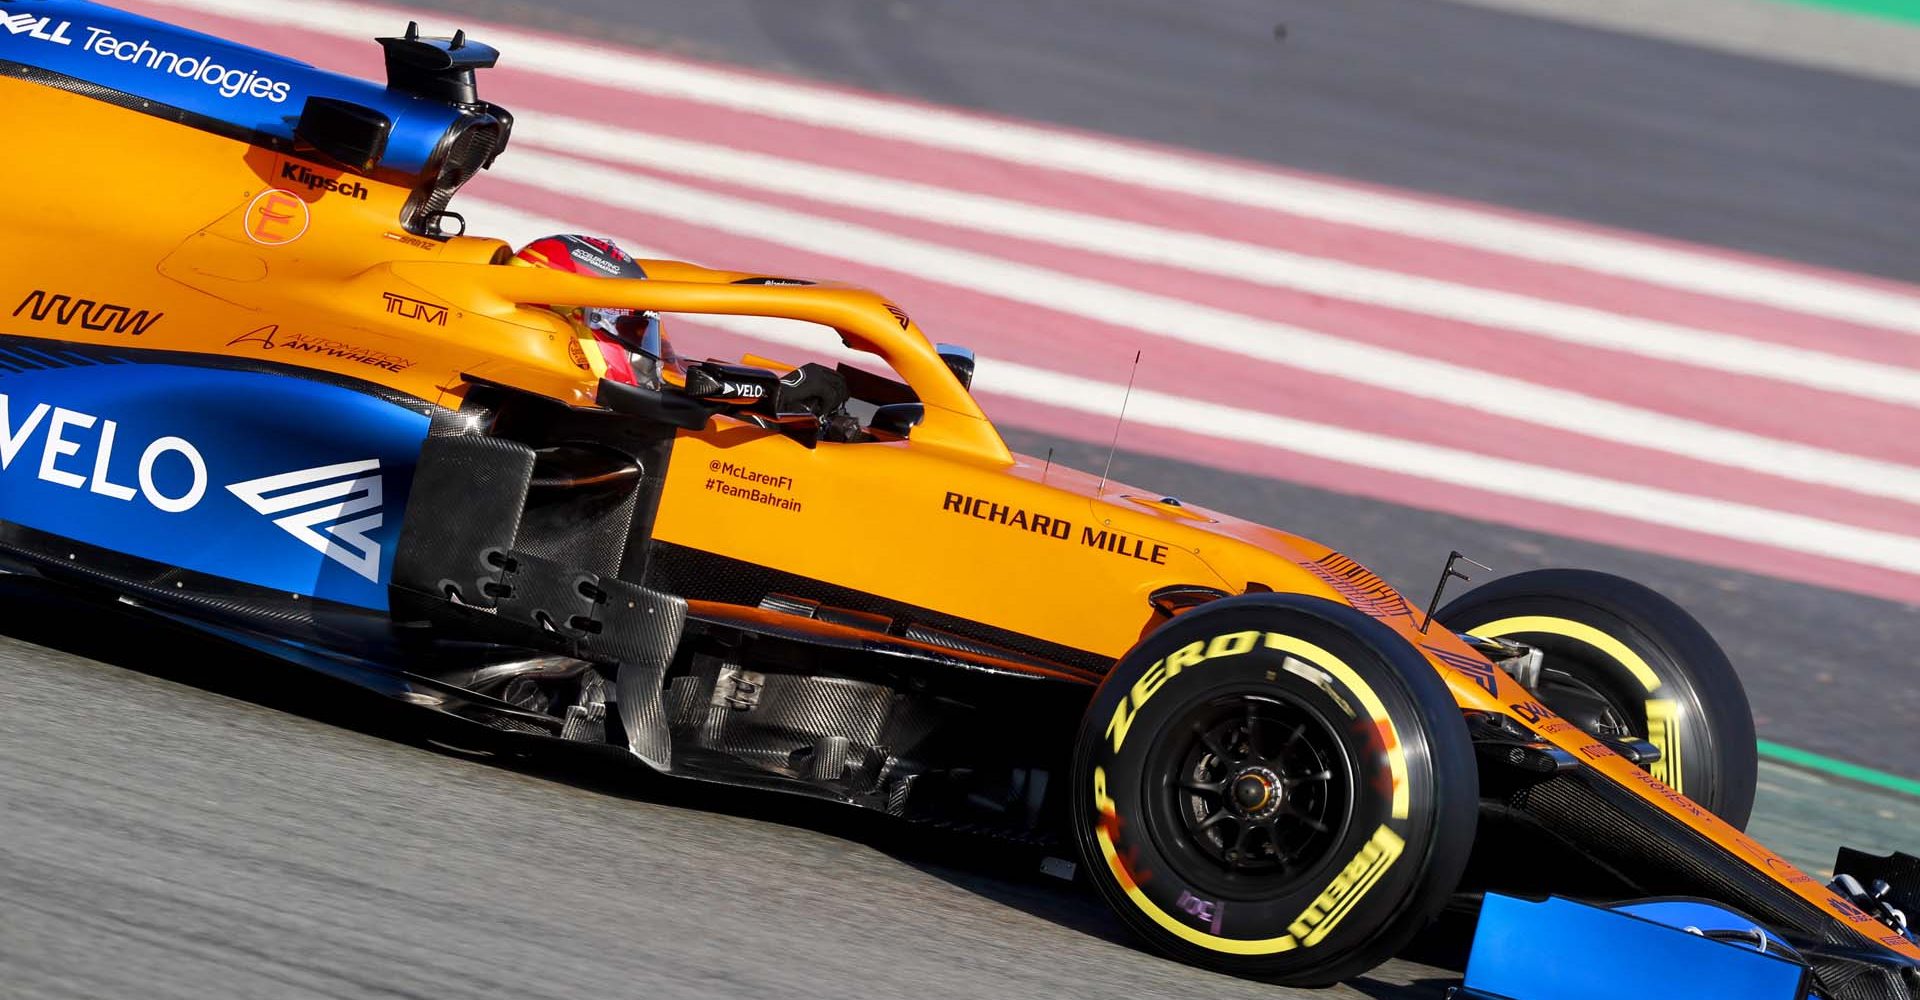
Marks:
<point>1251,792</point>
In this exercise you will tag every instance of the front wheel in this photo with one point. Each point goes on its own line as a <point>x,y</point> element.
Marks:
<point>1275,786</point>
<point>1622,660</point>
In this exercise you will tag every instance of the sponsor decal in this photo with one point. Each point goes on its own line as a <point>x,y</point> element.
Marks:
<point>1595,751</point>
<point>1013,517</point>
<point>406,308</point>
<point>63,464</point>
<point>742,391</point>
<point>1347,888</point>
<point>272,338</point>
<point>1659,788</point>
<point>41,28</point>
<point>1123,544</point>
<point>330,509</point>
<point>1205,911</point>
<point>596,261</point>
<point>408,239</point>
<point>334,498</point>
<point>595,245</point>
<point>1477,668</point>
<point>1846,908</point>
<point>87,314</point>
<point>1540,717</point>
<point>1057,528</point>
<point>230,83</point>
<point>578,355</point>
<point>189,467</point>
<point>741,483</point>
<point>794,282</point>
<point>301,174</point>
<point>343,501</point>
<point>1360,586</point>
<point>277,217</point>
<point>898,314</point>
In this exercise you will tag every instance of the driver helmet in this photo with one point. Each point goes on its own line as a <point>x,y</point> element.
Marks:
<point>631,345</point>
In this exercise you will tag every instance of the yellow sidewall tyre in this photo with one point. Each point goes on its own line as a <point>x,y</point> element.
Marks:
<point>1658,670</point>
<point>1275,786</point>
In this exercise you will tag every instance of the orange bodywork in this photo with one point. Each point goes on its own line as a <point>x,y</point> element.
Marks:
<point>116,206</point>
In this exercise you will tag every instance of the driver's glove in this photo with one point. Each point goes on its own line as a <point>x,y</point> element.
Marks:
<point>811,388</point>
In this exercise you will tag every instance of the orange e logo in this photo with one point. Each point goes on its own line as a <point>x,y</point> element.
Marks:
<point>275,217</point>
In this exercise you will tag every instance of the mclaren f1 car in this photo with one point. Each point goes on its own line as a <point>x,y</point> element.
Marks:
<point>264,384</point>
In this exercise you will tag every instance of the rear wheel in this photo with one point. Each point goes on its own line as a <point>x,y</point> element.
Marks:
<point>1276,786</point>
<point>1622,660</point>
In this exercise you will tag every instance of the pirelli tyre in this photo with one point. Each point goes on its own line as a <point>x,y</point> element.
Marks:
<point>1624,660</point>
<point>1275,786</point>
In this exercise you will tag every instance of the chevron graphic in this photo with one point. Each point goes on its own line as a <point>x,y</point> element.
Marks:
<point>316,505</point>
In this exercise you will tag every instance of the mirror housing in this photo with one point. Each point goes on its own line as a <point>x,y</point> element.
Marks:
<point>896,420</point>
<point>959,361</point>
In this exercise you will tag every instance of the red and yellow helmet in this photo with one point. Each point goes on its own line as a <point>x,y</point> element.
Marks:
<point>624,345</point>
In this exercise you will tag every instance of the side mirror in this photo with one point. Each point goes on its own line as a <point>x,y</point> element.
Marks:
<point>895,419</point>
<point>959,361</point>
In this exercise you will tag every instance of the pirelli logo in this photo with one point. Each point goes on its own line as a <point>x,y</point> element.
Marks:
<point>1349,887</point>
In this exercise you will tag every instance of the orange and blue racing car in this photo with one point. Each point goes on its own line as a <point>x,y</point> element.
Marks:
<point>296,407</point>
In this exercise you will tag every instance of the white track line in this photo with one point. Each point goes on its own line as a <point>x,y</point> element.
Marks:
<point>639,72</point>
<point>1204,326</point>
<point>1651,505</point>
<point>1171,248</point>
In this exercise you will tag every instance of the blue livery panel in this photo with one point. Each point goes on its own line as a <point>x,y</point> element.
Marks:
<point>1558,949</point>
<point>234,84</point>
<point>282,482</point>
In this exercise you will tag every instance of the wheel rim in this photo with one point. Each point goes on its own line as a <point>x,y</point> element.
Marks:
<point>1256,791</point>
<point>1590,704</point>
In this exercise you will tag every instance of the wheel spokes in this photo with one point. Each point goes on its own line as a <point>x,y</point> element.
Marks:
<point>1217,789</point>
<point>1215,819</point>
<point>1310,822</point>
<point>1253,732</point>
<point>1212,744</point>
<point>1292,753</point>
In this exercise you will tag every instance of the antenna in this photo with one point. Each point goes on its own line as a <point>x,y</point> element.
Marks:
<point>1115,446</point>
<point>1446,574</point>
<point>1047,468</point>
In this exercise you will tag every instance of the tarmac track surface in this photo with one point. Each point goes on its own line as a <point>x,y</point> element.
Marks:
<point>179,820</point>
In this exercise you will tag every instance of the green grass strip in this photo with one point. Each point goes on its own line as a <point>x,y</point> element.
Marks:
<point>1838,768</point>
<point>1897,10</point>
